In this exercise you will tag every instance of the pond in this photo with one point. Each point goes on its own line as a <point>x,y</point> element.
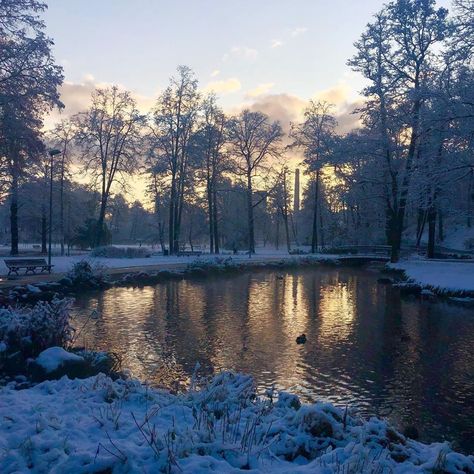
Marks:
<point>408,360</point>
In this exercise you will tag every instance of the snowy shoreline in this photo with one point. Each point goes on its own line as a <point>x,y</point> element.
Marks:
<point>441,277</point>
<point>100,425</point>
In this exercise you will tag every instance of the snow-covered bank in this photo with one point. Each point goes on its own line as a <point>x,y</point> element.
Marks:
<point>442,276</point>
<point>93,425</point>
<point>65,264</point>
<point>85,275</point>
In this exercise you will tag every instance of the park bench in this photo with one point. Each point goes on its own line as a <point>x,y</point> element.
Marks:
<point>14,265</point>
<point>195,252</point>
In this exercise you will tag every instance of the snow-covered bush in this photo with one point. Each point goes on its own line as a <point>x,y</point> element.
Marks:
<point>30,330</point>
<point>217,263</point>
<point>111,251</point>
<point>84,275</point>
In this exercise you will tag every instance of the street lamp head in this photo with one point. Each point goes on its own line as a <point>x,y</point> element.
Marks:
<point>54,152</point>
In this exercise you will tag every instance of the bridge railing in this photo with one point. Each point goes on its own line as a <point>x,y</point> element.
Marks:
<point>383,250</point>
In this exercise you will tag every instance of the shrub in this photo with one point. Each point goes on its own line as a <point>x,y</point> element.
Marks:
<point>85,235</point>
<point>84,275</point>
<point>28,331</point>
<point>110,251</point>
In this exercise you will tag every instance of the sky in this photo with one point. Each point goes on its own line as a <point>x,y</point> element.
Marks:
<point>270,55</point>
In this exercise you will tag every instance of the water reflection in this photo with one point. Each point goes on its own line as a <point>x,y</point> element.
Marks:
<point>409,360</point>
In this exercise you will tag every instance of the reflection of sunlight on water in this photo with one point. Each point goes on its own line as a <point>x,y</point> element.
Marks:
<point>364,346</point>
<point>337,309</point>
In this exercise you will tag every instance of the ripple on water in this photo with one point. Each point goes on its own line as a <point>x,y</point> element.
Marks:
<point>365,346</point>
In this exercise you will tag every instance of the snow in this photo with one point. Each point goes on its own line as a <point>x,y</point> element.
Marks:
<point>436,274</point>
<point>458,238</point>
<point>64,264</point>
<point>54,357</point>
<point>96,424</point>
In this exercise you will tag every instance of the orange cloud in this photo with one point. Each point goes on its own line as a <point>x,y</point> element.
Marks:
<point>261,89</point>
<point>226,86</point>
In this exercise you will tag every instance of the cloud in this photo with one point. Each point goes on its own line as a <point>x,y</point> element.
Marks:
<point>215,73</point>
<point>344,106</point>
<point>288,108</point>
<point>285,108</point>
<point>226,86</point>
<point>301,30</point>
<point>261,89</point>
<point>276,43</point>
<point>336,95</point>
<point>242,52</point>
<point>76,98</point>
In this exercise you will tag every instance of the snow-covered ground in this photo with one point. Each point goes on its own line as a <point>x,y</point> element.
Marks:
<point>64,264</point>
<point>97,425</point>
<point>444,275</point>
<point>457,235</point>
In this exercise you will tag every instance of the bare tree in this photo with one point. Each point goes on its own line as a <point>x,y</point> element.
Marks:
<point>254,141</point>
<point>316,137</point>
<point>174,121</point>
<point>210,141</point>
<point>62,137</point>
<point>109,135</point>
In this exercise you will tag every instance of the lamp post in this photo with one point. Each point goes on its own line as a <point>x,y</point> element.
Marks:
<point>50,230</point>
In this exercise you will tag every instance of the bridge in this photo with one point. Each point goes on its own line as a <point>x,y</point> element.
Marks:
<point>360,254</point>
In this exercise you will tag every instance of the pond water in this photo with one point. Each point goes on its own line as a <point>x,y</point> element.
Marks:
<point>408,360</point>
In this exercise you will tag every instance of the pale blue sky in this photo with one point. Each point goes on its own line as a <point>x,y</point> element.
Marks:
<point>139,43</point>
<point>272,55</point>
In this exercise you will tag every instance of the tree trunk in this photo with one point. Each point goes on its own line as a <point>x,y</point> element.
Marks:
<point>211,219</point>
<point>250,220</point>
<point>287,233</point>
<point>61,206</point>
<point>216,230</point>
<point>285,213</point>
<point>277,240</point>
<point>431,231</point>
<point>44,231</point>
<point>400,218</point>
<point>14,217</point>
<point>470,198</point>
<point>440,226</point>
<point>171,216</point>
<point>314,239</point>
<point>421,226</point>
<point>321,229</point>
<point>101,222</point>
